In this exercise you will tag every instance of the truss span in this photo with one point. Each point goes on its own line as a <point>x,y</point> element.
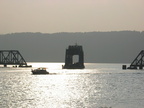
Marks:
<point>12,57</point>
<point>138,62</point>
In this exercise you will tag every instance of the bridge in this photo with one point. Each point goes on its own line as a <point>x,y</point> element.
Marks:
<point>138,62</point>
<point>12,57</point>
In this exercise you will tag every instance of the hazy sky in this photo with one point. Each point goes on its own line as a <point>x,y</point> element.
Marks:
<point>51,16</point>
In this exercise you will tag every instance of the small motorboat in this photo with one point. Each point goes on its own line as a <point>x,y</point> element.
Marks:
<point>40,71</point>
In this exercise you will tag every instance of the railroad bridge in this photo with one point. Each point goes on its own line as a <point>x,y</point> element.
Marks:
<point>138,62</point>
<point>12,57</point>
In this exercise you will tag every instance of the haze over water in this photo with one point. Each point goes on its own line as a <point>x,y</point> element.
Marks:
<point>96,86</point>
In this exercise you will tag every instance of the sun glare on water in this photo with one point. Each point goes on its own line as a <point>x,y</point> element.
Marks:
<point>47,65</point>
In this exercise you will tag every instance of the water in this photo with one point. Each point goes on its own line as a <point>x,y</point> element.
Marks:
<point>97,86</point>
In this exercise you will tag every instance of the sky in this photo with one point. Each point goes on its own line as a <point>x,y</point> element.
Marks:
<point>50,16</point>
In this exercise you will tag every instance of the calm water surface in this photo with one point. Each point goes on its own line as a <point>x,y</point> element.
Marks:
<point>96,86</point>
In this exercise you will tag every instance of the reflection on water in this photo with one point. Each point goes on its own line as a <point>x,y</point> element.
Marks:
<point>97,86</point>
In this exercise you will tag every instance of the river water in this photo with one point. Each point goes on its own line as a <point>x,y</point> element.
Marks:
<point>96,86</point>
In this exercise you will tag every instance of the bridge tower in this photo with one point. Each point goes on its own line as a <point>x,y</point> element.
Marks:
<point>12,57</point>
<point>70,52</point>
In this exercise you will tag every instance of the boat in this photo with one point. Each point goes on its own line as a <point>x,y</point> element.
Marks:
<point>40,71</point>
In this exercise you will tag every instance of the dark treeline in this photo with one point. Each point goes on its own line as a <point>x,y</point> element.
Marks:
<point>114,47</point>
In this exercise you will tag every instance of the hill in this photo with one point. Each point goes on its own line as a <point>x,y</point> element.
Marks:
<point>113,47</point>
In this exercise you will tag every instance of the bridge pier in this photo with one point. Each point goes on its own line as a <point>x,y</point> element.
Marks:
<point>141,67</point>
<point>5,65</point>
<point>124,67</point>
<point>70,52</point>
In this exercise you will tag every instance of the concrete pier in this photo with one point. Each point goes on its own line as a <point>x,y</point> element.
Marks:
<point>70,52</point>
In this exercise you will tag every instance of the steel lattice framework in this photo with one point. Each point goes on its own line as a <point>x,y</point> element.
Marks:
<point>138,61</point>
<point>12,57</point>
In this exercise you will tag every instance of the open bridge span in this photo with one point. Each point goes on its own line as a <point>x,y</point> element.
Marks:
<point>12,57</point>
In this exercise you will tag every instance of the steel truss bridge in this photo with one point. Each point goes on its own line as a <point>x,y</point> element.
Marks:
<point>12,57</point>
<point>138,62</point>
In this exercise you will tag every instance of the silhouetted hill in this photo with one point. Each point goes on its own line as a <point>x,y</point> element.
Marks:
<point>116,46</point>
